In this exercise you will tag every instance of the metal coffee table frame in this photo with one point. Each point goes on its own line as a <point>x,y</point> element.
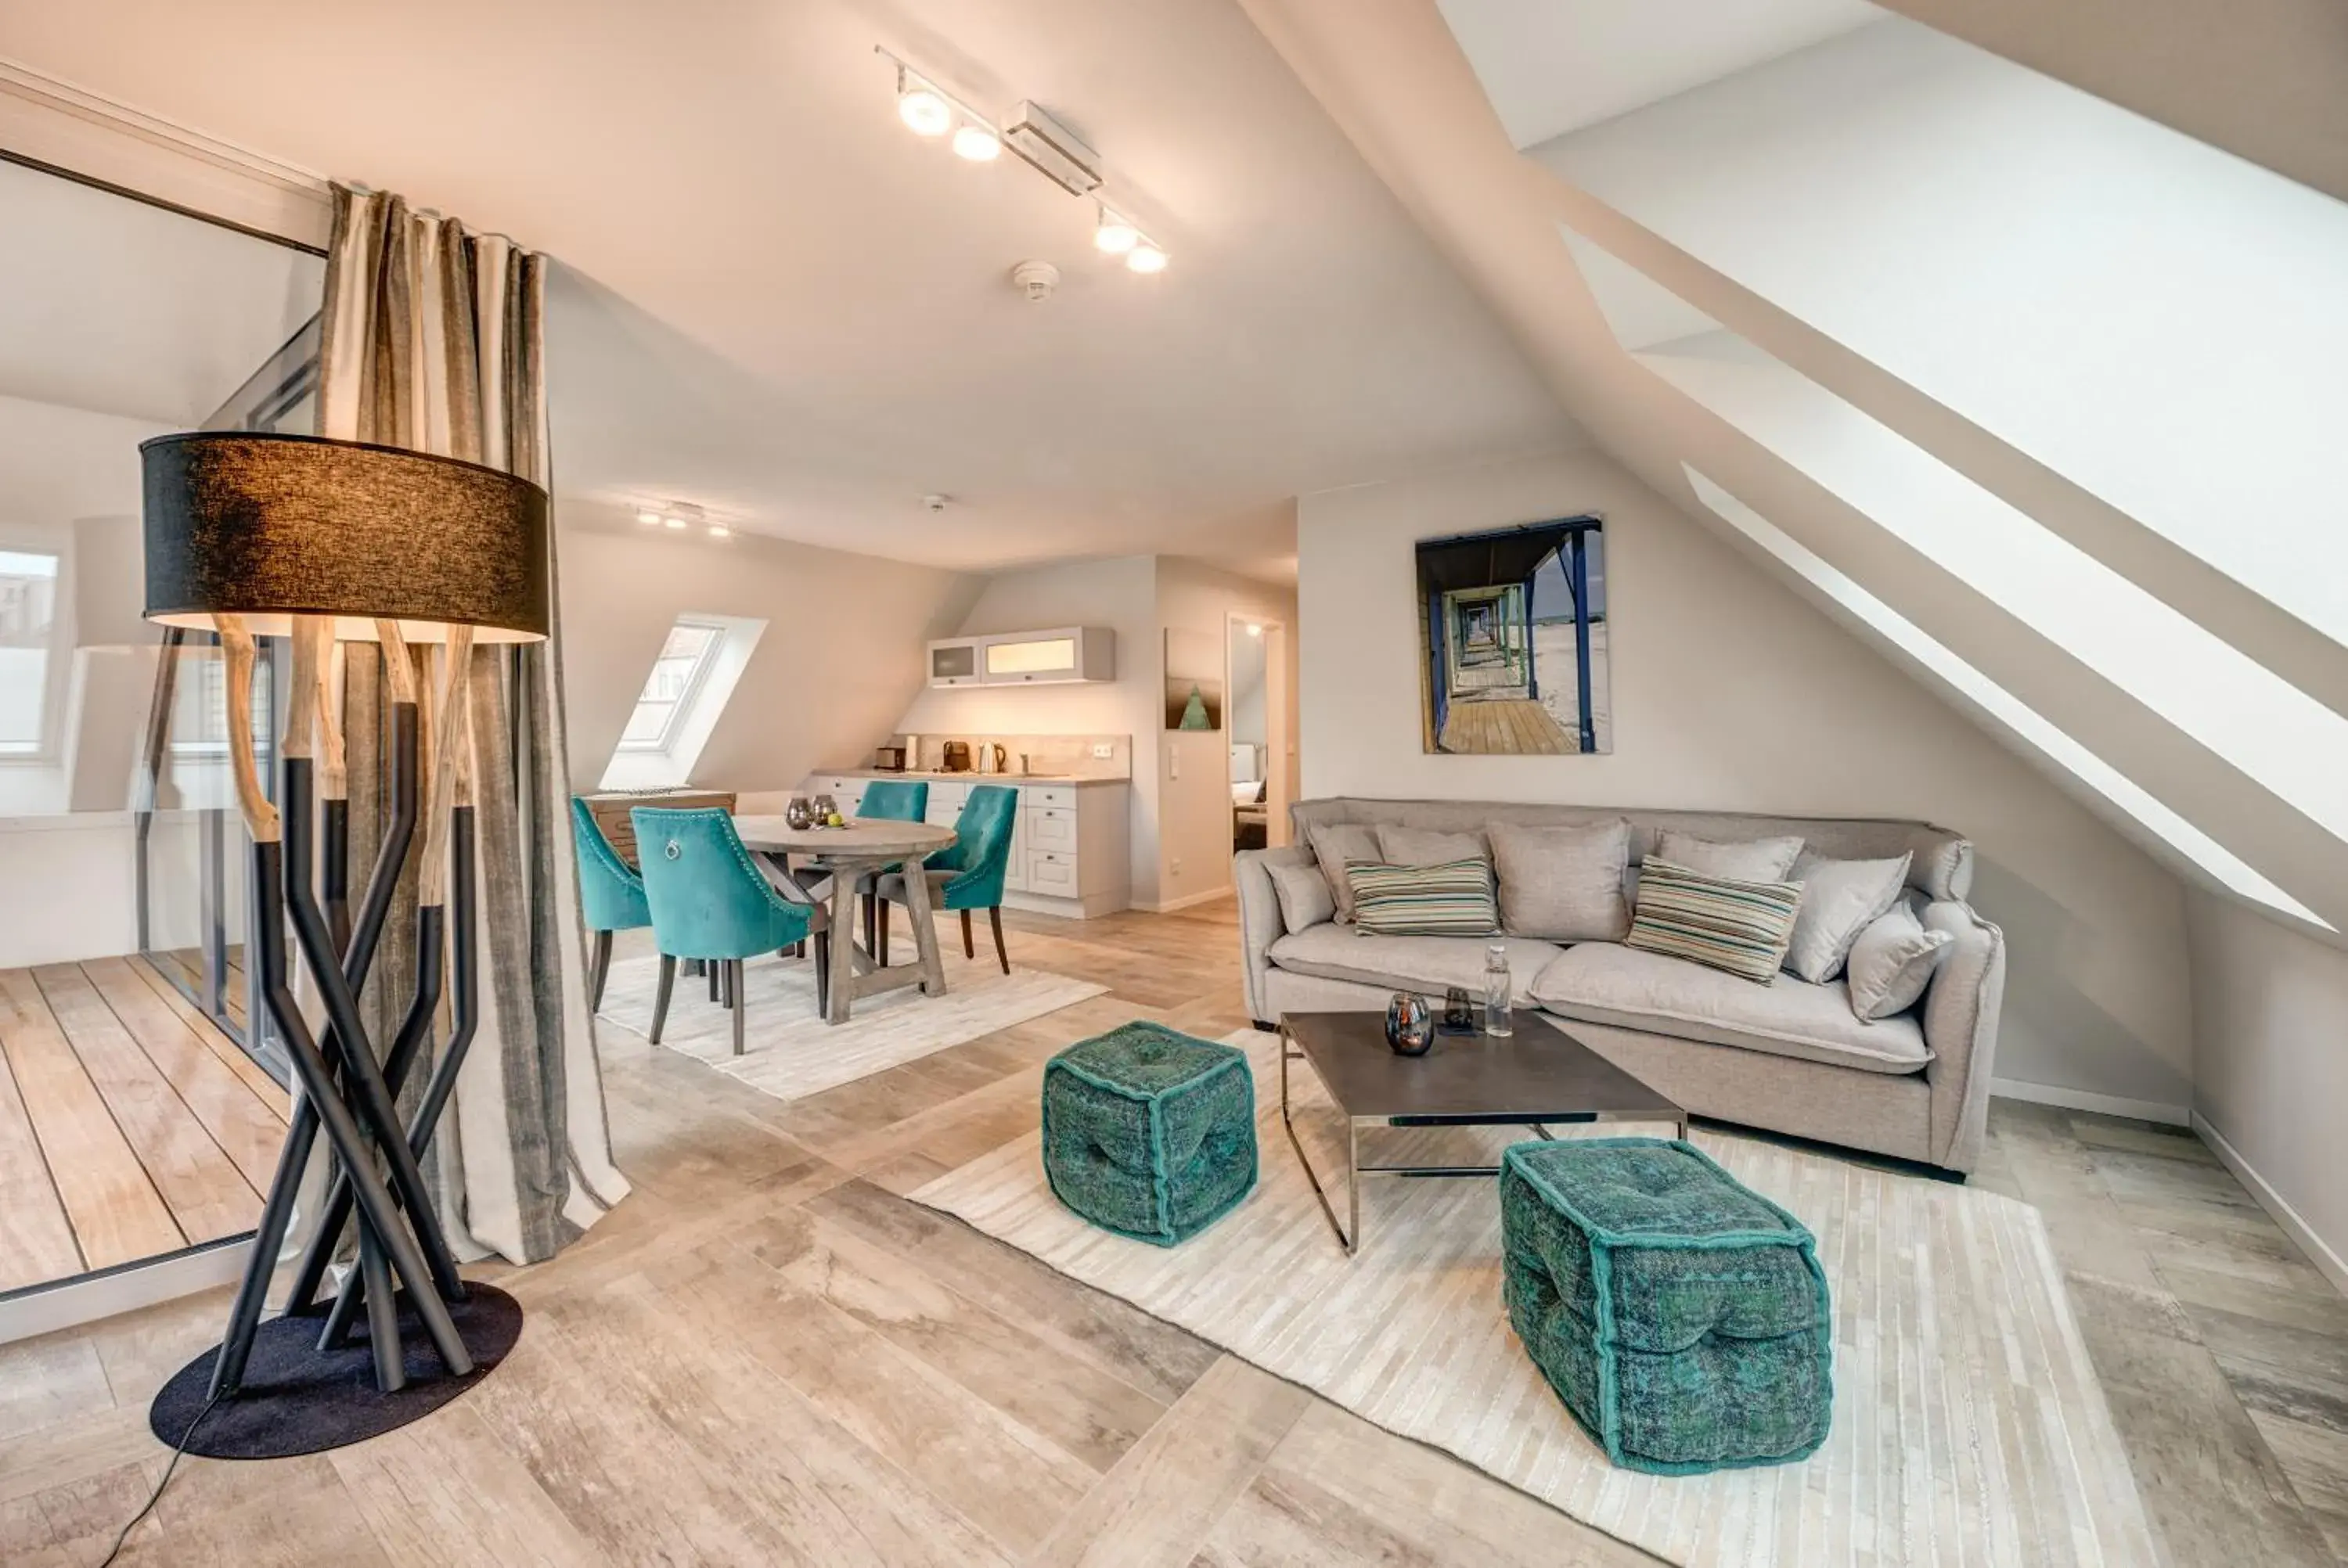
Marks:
<point>1349,1237</point>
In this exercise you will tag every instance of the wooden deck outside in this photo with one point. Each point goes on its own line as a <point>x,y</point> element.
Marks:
<point>130,1126</point>
<point>186,966</point>
<point>1506,726</point>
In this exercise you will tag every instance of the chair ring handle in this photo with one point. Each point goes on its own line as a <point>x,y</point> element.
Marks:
<point>675,851</point>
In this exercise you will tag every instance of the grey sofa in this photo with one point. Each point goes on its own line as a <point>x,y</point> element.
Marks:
<point>1789,1057</point>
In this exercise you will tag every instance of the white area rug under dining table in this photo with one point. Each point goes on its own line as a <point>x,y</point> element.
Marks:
<point>790,1052</point>
<point>1969,1427</point>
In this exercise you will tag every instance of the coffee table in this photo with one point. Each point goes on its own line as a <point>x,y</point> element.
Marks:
<point>1535,1077</point>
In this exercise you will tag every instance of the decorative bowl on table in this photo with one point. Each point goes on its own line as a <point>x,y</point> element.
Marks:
<point>796,815</point>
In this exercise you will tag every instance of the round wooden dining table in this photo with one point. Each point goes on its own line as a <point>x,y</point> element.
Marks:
<point>865,847</point>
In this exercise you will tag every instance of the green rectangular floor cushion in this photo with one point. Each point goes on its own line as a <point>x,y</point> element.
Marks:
<point>1680,1317</point>
<point>1148,1132</point>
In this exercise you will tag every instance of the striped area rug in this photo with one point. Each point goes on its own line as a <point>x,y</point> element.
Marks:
<point>790,1052</point>
<point>1969,1427</point>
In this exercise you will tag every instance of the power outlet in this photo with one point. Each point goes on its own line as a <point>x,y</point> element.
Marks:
<point>1178,866</point>
<point>1173,762</point>
<point>1104,749</point>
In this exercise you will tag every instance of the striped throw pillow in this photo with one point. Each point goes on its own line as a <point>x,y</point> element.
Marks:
<point>1452,900</point>
<point>1743,928</point>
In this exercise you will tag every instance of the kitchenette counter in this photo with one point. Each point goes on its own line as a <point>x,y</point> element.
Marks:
<point>1071,836</point>
<point>969,776</point>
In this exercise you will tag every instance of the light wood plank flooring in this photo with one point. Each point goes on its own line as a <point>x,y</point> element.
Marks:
<point>130,1126</point>
<point>766,1356</point>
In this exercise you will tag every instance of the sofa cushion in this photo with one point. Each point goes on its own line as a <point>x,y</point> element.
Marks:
<point>1429,964</point>
<point>1304,893</point>
<point>1337,845</point>
<point>1747,860</point>
<point>1840,899</point>
<point>1601,982</point>
<point>1564,884</point>
<point>1399,845</point>
<point>1453,899</point>
<point>1891,963</point>
<point>1739,926</point>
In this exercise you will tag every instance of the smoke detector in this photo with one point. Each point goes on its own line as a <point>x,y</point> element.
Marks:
<point>1036,279</point>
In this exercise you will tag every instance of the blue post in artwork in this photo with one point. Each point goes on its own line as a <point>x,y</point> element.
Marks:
<point>1580,578</point>
<point>1437,685</point>
<point>1532,659</point>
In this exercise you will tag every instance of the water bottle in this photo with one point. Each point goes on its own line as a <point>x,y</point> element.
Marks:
<point>1497,987</point>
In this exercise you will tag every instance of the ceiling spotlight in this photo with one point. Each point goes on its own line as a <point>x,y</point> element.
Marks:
<point>1254,630</point>
<point>674,523</point>
<point>977,142</point>
<point>1114,235</point>
<point>922,107</point>
<point>1145,258</point>
<point>720,531</point>
<point>649,519</point>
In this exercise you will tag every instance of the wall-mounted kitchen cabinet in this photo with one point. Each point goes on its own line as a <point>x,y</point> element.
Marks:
<point>1061,656</point>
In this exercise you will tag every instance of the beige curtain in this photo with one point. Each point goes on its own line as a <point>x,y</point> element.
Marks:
<point>433,339</point>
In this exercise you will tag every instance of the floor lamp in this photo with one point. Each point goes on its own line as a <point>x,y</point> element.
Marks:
<point>255,535</point>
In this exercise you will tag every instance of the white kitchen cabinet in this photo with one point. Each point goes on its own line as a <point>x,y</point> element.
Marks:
<point>954,662</point>
<point>1058,656</point>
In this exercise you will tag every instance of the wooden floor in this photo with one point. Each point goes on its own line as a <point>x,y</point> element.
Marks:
<point>767,1356</point>
<point>1504,726</point>
<point>130,1126</point>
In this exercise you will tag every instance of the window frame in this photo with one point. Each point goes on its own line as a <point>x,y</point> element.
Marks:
<point>44,749</point>
<point>694,683</point>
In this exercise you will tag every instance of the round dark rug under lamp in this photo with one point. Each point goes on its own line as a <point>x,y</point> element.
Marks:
<point>255,535</point>
<point>299,1399</point>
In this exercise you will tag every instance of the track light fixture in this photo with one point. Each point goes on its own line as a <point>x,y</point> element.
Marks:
<point>1114,235</point>
<point>925,110</point>
<point>929,111</point>
<point>676,516</point>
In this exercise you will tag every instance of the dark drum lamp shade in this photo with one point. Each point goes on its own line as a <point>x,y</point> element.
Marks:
<point>269,526</point>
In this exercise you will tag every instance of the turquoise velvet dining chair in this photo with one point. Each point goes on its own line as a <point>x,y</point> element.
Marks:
<point>710,901</point>
<point>968,874</point>
<point>610,896</point>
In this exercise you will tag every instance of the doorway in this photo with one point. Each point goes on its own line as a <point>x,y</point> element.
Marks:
<point>1262,751</point>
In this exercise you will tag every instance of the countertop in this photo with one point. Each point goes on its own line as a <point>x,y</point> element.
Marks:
<point>972,776</point>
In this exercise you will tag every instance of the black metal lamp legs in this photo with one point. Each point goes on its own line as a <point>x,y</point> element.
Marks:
<point>244,1316</point>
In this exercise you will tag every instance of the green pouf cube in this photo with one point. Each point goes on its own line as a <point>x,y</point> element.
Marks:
<point>1148,1132</point>
<point>1680,1317</point>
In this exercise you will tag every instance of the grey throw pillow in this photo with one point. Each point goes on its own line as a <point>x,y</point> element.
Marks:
<point>1892,961</point>
<point>1564,884</point>
<point>1749,860</point>
<point>1334,844</point>
<point>1426,846</point>
<point>1840,898</point>
<point>1304,896</point>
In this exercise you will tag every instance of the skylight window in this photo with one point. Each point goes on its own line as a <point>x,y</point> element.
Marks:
<point>684,662</point>
<point>691,679</point>
<point>2001,705</point>
<point>2291,744</point>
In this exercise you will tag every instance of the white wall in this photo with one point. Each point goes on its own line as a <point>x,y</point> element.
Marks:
<point>2270,1062</point>
<point>1731,693</point>
<point>1194,859</point>
<point>840,657</point>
